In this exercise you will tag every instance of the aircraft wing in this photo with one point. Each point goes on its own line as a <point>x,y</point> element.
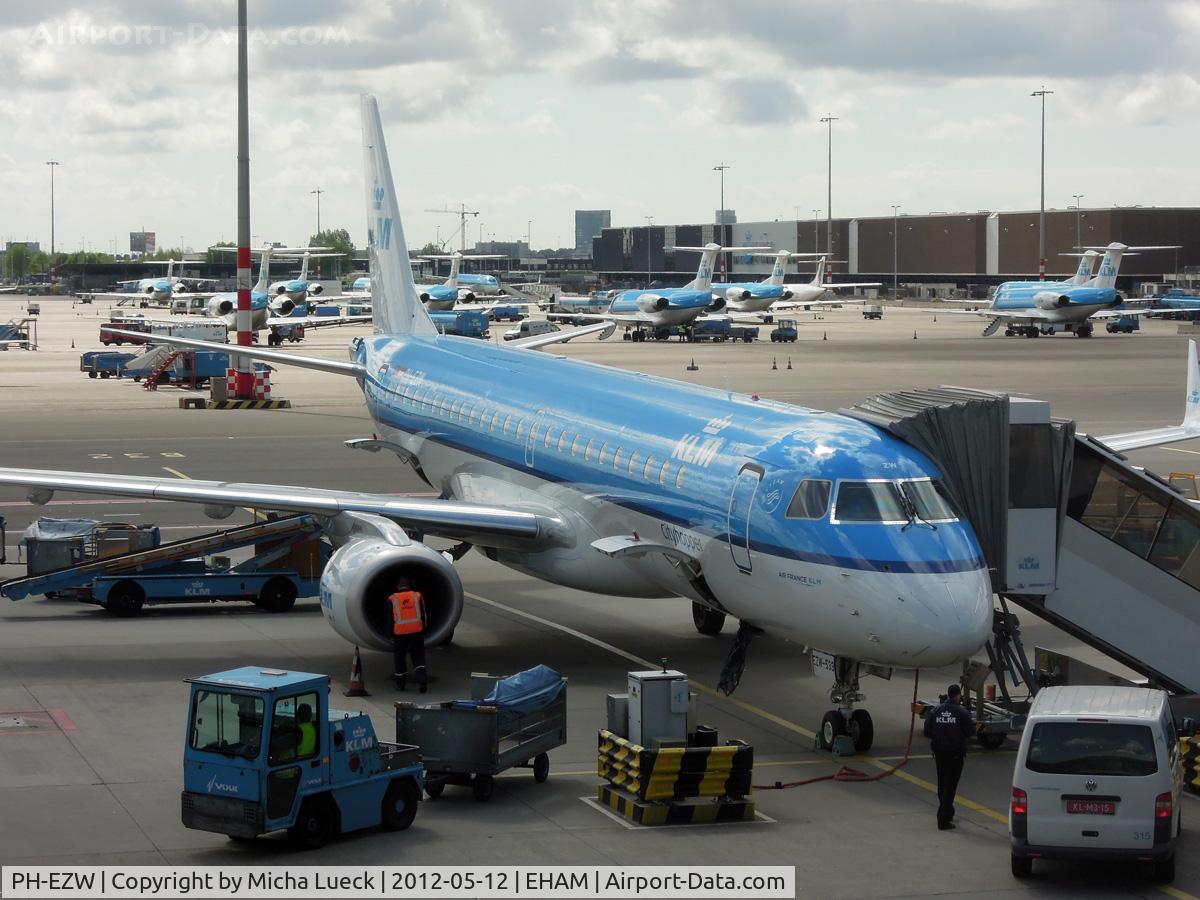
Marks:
<point>537,341</point>
<point>845,284</point>
<point>316,321</point>
<point>1186,430</point>
<point>110,296</point>
<point>445,518</point>
<point>1120,313</point>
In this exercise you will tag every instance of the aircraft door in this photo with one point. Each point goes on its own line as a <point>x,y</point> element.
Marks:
<point>741,502</point>
<point>536,430</point>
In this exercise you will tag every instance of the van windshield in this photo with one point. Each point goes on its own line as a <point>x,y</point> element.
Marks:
<point>1091,748</point>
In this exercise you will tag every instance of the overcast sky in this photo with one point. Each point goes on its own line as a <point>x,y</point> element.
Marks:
<point>529,110</point>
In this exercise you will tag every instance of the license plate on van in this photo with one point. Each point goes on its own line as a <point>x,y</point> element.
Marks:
<point>1092,807</point>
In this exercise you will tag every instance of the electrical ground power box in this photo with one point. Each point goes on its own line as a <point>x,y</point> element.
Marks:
<point>658,706</point>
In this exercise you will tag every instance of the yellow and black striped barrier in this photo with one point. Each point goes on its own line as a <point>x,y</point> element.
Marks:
<point>1189,748</point>
<point>675,773</point>
<point>249,404</point>
<point>693,813</point>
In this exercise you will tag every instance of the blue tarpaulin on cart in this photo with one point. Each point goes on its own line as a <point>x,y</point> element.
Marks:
<point>522,693</point>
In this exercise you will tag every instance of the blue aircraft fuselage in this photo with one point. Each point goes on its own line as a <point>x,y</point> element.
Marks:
<point>708,472</point>
<point>1053,295</point>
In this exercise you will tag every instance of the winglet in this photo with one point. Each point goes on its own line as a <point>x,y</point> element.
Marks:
<point>395,303</point>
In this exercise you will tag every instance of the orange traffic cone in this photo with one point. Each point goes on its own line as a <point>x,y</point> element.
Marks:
<point>357,687</point>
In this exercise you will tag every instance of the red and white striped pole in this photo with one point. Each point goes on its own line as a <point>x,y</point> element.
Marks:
<point>243,364</point>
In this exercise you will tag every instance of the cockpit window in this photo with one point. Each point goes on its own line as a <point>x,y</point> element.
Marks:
<point>920,501</point>
<point>870,501</point>
<point>930,499</point>
<point>811,500</point>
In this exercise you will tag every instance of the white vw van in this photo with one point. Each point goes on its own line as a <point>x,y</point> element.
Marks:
<point>1098,776</point>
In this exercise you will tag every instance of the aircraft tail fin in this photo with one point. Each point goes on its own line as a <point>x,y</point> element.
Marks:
<point>396,306</point>
<point>264,272</point>
<point>819,276</point>
<point>1111,264</point>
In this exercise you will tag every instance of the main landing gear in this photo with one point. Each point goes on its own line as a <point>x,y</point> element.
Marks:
<point>844,719</point>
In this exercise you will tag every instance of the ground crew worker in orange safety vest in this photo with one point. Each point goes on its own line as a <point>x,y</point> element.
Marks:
<point>408,633</point>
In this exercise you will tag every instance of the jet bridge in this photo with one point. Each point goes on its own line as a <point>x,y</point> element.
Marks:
<point>1070,530</point>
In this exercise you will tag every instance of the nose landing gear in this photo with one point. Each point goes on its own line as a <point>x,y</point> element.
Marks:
<point>845,719</point>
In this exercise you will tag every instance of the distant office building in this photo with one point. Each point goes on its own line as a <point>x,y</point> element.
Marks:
<point>588,224</point>
<point>142,242</point>
<point>31,246</point>
<point>513,249</point>
<point>726,217</point>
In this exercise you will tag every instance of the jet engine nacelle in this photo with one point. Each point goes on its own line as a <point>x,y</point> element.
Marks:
<point>361,575</point>
<point>220,306</point>
<point>179,288</point>
<point>283,307</point>
<point>786,295</point>
<point>314,288</point>
<point>1050,300</point>
<point>717,305</point>
<point>148,290</point>
<point>649,303</point>
<point>281,288</point>
<point>737,294</point>
<point>466,296</point>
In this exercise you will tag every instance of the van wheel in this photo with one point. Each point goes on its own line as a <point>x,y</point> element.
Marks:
<point>541,768</point>
<point>1164,870</point>
<point>481,787</point>
<point>400,804</point>
<point>1022,866</point>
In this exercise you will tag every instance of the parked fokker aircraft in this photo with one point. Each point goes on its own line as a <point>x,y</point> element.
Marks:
<point>458,286</point>
<point>654,307</point>
<point>269,310</point>
<point>815,526</point>
<point>300,289</point>
<point>757,296</point>
<point>806,295</point>
<point>1033,308</point>
<point>161,288</point>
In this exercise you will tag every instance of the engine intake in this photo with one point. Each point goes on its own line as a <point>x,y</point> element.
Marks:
<point>736,294</point>
<point>717,305</point>
<point>283,307</point>
<point>221,306</point>
<point>362,574</point>
<point>315,288</point>
<point>1050,300</point>
<point>652,303</point>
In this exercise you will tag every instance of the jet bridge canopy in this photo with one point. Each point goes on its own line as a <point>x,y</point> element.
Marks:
<point>1004,462</point>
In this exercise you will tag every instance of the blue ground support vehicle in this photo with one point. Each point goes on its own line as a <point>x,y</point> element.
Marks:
<point>785,332</point>
<point>505,314</point>
<point>463,324</point>
<point>103,363</point>
<point>264,752</point>
<point>1123,325</point>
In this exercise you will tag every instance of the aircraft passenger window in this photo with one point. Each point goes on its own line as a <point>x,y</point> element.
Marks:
<point>662,473</point>
<point>504,427</point>
<point>454,407</point>
<point>549,436</point>
<point>587,451</point>
<point>575,445</point>
<point>562,440</point>
<point>679,476</point>
<point>520,428</point>
<point>603,454</point>
<point>648,467</point>
<point>1177,547</point>
<point>633,461</point>
<point>811,500</point>
<point>533,433</point>
<point>869,501</point>
<point>471,413</point>
<point>617,457</point>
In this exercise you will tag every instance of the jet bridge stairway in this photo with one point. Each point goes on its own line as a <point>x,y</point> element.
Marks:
<point>1070,530</point>
<point>281,532</point>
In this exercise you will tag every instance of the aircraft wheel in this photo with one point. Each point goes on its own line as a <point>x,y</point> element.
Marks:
<point>707,621</point>
<point>861,730</point>
<point>833,724</point>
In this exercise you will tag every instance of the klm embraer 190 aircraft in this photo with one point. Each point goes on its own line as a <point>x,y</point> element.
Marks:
<point>813,526</point>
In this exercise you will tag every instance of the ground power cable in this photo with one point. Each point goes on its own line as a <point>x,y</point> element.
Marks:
<point>849,773</point>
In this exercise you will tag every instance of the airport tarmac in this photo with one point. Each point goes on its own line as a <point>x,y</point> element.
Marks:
<point>100,783</point>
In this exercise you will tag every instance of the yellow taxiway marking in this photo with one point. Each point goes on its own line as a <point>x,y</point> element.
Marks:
<point>877,762</point>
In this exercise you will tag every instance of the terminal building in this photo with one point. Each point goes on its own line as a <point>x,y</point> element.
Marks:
<point>963,251</point>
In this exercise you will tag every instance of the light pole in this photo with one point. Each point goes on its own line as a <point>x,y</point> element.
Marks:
<point>721,212</point>
<point>1042,208</point>
<point>816,231</point>
<point>52,163</point>
<point>895,250</point>
<point>528,232</point>
<point>649,267</point>
<point>1078,231</point>
<point>318,192</point>
<point>829,120</point>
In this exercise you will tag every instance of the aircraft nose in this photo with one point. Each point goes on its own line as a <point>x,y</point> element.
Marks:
<point>960,615</point>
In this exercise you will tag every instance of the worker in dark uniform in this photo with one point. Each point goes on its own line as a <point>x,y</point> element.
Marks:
<point>949,726</point>
<point>408,633</point>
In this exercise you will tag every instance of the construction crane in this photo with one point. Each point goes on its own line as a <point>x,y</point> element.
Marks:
<point>462,212</point>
